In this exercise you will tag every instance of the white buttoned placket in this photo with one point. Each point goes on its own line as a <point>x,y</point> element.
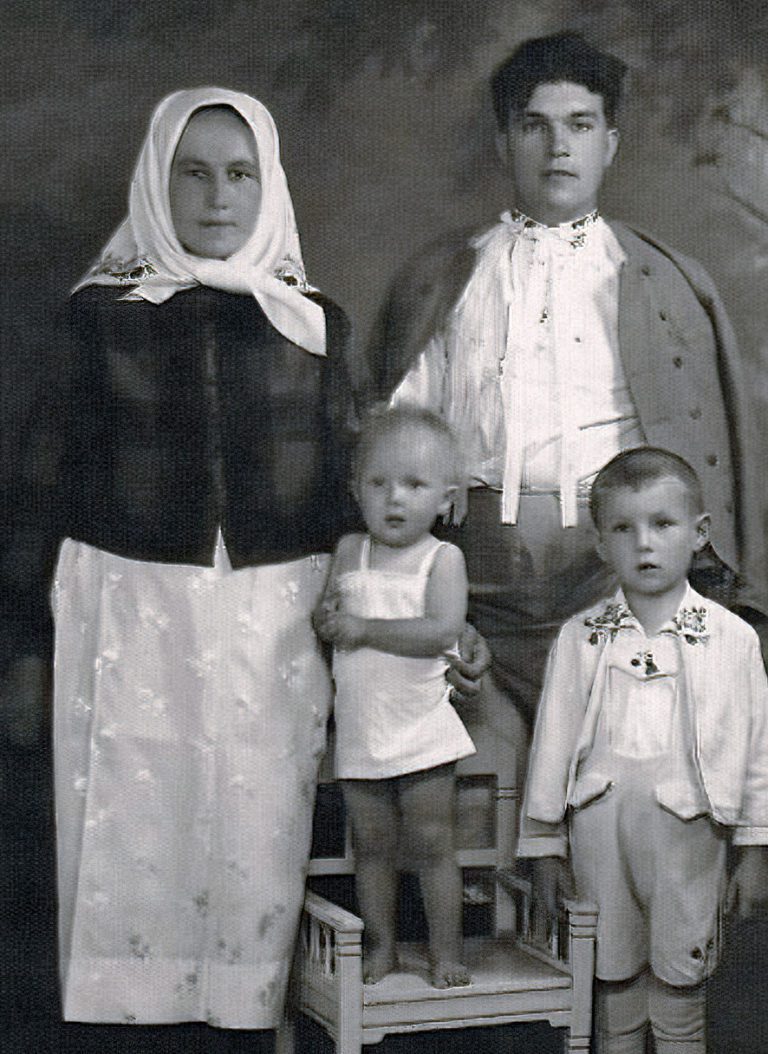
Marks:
<point>541,290</point>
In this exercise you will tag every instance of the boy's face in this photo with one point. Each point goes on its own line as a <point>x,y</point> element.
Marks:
<point>215,191</point>
<point>558,148</point>
<point>401,487</point>
<point>649,536</point>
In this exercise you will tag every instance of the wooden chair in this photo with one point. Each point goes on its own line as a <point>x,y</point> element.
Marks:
<point>526,968</point>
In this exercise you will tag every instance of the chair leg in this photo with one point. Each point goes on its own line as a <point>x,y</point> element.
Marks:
<point>285,1038</point>
<point>349,1040</point>
<point>573,1044</point>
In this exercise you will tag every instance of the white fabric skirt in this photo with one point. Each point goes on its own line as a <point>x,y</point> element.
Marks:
<point>190,713</point>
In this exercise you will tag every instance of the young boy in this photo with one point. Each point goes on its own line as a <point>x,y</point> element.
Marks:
<point>650,754</point>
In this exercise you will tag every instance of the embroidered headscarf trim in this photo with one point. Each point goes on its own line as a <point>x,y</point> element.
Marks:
<point>145,253</point>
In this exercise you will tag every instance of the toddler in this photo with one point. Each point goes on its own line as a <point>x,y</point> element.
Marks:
<point>395,603</point>
<point>650,755</point>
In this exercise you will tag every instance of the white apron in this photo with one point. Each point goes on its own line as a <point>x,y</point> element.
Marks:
<point>190,712</point>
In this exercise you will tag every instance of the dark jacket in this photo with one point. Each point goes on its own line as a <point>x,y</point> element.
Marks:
<point>163,423</point>
<point>680,360</point>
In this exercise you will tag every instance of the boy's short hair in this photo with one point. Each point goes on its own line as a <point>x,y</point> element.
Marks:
<point>551,60</point>
<point>637,468</point>
<point>383,421</point>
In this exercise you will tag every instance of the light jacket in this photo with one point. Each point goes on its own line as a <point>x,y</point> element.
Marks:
<point>725,686</point>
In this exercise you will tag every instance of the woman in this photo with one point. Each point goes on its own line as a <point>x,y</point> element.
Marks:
<point>196,473</point>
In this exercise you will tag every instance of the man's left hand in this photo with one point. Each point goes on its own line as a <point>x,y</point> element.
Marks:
<point>748,886</point>
<point>467,668</point>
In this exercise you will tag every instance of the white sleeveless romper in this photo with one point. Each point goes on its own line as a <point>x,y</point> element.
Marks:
<point>393,713</point>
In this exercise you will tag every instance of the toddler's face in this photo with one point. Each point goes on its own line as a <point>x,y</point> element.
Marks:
<point>401,486</point>
<point>649,536</point>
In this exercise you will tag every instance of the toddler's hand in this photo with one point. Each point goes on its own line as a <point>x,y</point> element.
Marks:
<point>323,616</point>
<point>348,631</point>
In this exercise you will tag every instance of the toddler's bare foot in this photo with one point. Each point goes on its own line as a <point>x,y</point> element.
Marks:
<point>445,974</point>
<point>377,964</point>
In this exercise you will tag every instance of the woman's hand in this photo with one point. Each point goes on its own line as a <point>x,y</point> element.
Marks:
<point>468,666</point>
<point>23,701</point>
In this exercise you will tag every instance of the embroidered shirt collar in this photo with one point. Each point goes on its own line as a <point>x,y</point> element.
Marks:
<point>574,233</point>
<point>689,623</point>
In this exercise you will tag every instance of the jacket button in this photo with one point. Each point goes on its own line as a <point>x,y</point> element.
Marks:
<point>712,459</point>
<point>695,412</point>
<point>678,362</point>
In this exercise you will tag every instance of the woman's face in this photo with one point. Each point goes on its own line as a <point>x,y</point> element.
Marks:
<point>215,189</point>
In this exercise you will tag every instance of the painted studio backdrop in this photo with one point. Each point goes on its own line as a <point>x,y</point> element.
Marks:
<point>387,139</point>
<point>387,135</point>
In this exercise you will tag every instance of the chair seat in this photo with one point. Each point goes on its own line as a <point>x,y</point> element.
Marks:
<point>495,965</point>
<point>535,969</point>
<point>508,984</point>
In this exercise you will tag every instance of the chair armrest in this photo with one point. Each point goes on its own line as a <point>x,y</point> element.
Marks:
<point>330,946</point>
<point>340,920</point>
<point>536,928</point>
<point>515,884</point>
<point>512,882</point>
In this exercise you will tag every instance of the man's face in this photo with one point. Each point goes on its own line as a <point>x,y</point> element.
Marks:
<point>558,149</point>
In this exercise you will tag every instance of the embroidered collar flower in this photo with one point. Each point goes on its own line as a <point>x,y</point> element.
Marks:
<point>691,625</point>
<point>606,625</point>
<point>292,273</point>
<point>129,273</point>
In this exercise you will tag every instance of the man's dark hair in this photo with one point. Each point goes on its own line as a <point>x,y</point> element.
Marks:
<point>551,60</point>
<point>637,468</point>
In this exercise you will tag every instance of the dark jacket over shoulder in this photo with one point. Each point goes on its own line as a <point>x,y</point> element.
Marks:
<point>168,421</point>
<point>680,360</point>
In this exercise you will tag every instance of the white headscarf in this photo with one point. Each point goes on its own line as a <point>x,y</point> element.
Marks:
<point>145,254</point>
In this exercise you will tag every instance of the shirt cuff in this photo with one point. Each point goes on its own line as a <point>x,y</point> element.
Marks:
<point>542,839</point>
<point>750,836</point>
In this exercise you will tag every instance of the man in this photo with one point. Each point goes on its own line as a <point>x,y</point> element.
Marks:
<point>551,342</point>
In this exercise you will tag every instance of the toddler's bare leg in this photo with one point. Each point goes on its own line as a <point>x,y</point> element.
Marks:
<point>427,803</point>
<point>373,811</point>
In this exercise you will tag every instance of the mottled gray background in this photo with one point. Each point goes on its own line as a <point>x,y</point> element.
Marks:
<point>387,137</point>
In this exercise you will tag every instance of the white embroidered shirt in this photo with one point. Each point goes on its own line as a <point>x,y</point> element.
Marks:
<point>527,368</point>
